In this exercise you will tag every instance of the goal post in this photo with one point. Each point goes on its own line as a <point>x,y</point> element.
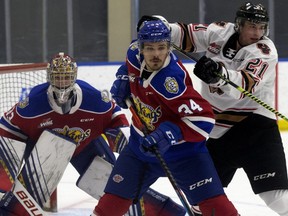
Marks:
<point>16,81</point>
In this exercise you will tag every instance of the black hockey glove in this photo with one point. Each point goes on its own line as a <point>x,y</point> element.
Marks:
<point>206,69</point>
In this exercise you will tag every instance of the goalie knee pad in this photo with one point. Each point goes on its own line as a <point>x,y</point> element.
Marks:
<point>94,179</point>
<point>277,200</point>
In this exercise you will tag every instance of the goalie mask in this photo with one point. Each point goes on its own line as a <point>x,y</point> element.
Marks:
<point>252,13</point>
<point>62,75</point>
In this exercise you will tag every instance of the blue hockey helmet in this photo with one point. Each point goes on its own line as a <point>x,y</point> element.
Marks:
<point>153,31</point>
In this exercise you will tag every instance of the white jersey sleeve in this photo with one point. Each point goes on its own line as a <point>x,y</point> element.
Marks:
<point>252,68</point>
<point>191,38</point>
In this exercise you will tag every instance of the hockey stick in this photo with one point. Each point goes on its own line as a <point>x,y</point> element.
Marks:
<point>33,182</point>
<point>248,94</point>
<point>18,190</point>
<point>24,197</point>
<point>26,200</point>
<point>155,150</point>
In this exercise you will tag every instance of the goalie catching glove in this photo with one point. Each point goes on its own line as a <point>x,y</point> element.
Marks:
<point>163,137</point>
<point>208,71</point>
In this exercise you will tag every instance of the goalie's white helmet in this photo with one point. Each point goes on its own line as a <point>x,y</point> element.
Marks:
<point>62,75</point>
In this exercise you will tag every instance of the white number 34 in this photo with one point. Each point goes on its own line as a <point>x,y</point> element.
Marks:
<point>189,110</point>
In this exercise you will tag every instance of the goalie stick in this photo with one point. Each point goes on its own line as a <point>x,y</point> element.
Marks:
<point>160,158</point>
<point>27,201</point>
<point>248,94</point>
<point>18,190</point>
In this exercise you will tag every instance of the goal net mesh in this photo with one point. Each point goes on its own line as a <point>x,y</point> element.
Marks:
<point>16,82</point>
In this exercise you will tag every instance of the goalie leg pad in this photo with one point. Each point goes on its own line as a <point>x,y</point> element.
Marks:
<point>41,173</point>
<point>94,180</point>
<point>11,154</point>
<point>97,147</point>
<point>118,138</point>
<point>46,164</point>
<point>94,176</point>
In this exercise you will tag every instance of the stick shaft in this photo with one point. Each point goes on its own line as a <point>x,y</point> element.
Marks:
<point>246,93</point>
<point>166,169</point>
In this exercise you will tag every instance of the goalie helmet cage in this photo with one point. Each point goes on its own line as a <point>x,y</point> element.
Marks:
<point>16,82</point>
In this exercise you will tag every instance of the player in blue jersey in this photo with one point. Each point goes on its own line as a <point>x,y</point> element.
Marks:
<point>77,110</point>
<point>178,121</point>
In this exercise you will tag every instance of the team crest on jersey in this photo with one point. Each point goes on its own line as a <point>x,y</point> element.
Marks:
<point>133,46</point>
<point>23,103</point>
<point>221,23</point>
<point>117,178</point>
<point>216,90</point>
<point>147,113</point>
<point>75,133</point>
<point>264,48</point>
<point>214,48</point>
<point>171,85</point>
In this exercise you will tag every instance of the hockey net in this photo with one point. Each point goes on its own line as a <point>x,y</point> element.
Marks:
<point>16,82</point>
